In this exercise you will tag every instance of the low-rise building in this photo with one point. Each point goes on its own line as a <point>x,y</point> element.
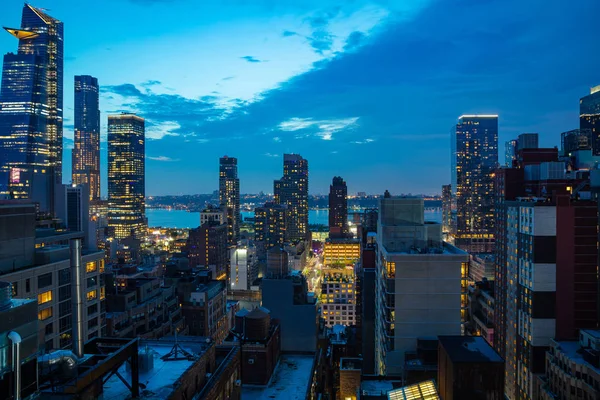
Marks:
<point>572,369</point>
<point>341,252</point>
<point>141,307</point>
<point>481,266</point>
<point>205,307</point>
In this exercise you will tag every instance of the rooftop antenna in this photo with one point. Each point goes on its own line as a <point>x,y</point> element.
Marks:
<point>178,353</point>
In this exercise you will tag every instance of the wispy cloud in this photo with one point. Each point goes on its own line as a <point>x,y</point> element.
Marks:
<point>271,155</point>
<point>276,139</point>
<point>321,128</point>
<point>251,59</point>
<point>365,141</point>
<point>162,158</point>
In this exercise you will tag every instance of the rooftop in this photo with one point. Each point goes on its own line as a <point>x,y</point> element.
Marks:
<point>290,381</point>
<point>469,349</point>
<point>419,391</point>
<point>158,381</point>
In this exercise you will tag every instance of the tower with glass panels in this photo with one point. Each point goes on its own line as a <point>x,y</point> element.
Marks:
<point>229,196</point>
<point>126,175</point>
<point>474,159</point>
<point>338,209</point>
<point>31,110</point>
<point>86,144</point>
<point>292,191</point>
<point>589,117</point>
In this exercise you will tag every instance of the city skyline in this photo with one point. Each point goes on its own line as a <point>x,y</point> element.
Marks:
<point>344,48</point>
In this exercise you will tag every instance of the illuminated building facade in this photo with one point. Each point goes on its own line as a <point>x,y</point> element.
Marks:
<point>31,110</point>
<point>126,175</point>
<point>338,296</point>
<point>292,191</point>
<point>86,144</point>
<point>421,283</point>
<point>576,139</point>
<point>229,196</point>
<point>270,223</point>
<point>243,268</point>
<point>589,116</point>
<point>338,209</point>
<point>341,252</point>
<point>474,159</point>
<point>446,208</point>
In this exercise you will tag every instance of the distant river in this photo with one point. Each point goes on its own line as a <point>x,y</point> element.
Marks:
<point>183,219</point>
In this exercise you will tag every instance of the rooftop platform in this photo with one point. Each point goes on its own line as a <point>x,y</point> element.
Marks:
<point>290,381</point>
<point>469,349</point>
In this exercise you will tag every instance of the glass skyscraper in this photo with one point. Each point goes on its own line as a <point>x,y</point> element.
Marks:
<point>86,146</point>
<point>474,159</point>
<point>589,117</point>
<point>126,175</point>
<point>292,191</point>
<point>229,196</point>
<point>31,110</point>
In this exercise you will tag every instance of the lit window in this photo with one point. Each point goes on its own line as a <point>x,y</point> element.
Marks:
<point>45,313</point>
<point>45,297</point>
<point>91,266</point>
<point>91,295</point>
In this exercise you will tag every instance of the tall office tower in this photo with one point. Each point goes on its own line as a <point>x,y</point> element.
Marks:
<point>229,196</point>
<point>589,116</point>
<point>474,159</point>
<point>576,139</point>
<point>338,209</point>
<point>86,145</point>
<point>527,141</point>
<point>126,175</point>
<point>292,191</point>
<point>31,111</point>
<point>413,261</point>
<point>510,152</point>
<point>446,208</point>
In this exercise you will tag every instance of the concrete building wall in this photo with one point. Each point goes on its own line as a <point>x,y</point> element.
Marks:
<point>17,236</point>
<point>298,322</point>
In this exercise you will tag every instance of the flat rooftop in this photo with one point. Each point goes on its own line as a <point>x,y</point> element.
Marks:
<point>571,350</point>
<point>290,381</point>
<point>159,380</point>
<point>469,349</point>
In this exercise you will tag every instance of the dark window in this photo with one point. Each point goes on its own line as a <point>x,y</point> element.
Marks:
<point>64,293</point>
<point>49,328</point>
<point>64,277</point>
<point>27,285</point>
<point>92,323</point>
<point>65,340</point>
<point>64,324</point>
<point>92,309</point>
<point>45,280</point>
<point>64,308</point>
<point>91,282</point>
<point>49,345</point>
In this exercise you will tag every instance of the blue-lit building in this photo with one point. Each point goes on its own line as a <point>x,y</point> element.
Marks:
<point>31,110</point>
<point>86,144</point>
<point>126,175</point>
<point>474,159</point>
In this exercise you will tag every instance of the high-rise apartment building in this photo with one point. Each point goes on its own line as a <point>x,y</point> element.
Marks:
<point>474,160</point>
<point>338,209</point>
<point>419,282</point>
<point>31,110</point>
<point>229,196</point>
<point>292,190</point>
<point>270,223</point>
<point>576,139</point>
<point>126,175</point>
<point>510,152</point>
<point>527,141</point>
<point>86,143</point>
<point>207,248</point>
<point>589,116</point>
<point>338,296</point>
<point>446,208</point>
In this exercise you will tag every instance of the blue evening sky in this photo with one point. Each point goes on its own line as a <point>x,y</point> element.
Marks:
<point>363,89</point>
